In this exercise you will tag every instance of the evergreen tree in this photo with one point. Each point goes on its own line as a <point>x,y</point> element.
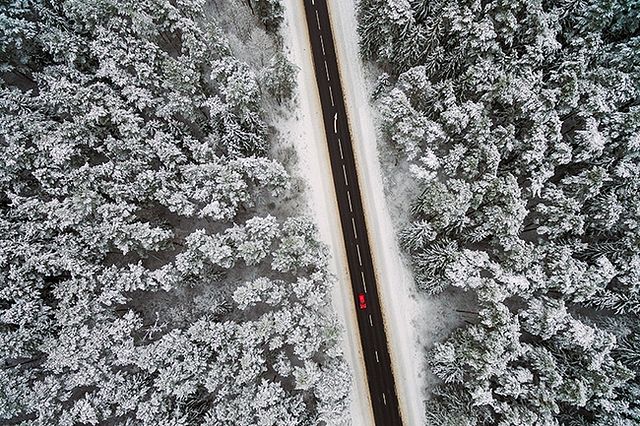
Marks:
<point>131,139</point>
<point>519,121</point>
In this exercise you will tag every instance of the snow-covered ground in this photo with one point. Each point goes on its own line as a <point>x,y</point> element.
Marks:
<point>306,131</point>
<point>401,310</point>
<point>413,321</point>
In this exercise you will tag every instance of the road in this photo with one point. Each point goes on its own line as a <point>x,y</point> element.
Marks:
<point>384,399</point>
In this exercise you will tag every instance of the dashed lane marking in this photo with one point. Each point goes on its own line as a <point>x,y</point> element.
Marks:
<point>377,359</point>
<point>359,258</point>
<point>322,44</point>
<point>335,123</point>
<point>344,172</point>
<point>353,225</point>
<point>349,198</point>
<point>317,19</point>
<point>384,398</point>
<point>370,321</point>
<point>340,146</point>
<point>326,70</point>
<point>331,95</point>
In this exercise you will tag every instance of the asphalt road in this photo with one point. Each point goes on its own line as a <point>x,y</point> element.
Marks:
<point>372,334</point>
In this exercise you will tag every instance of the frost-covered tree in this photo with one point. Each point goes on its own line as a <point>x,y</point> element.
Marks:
<point>270,13</point>
<point>299,248</point>
<point>280,78</point>
<point>519,123</point>
<point>136,277</point>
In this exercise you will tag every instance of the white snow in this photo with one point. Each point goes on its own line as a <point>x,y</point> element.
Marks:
<point>413,321</point>
<point>401,309</point>
<point>307,133</point>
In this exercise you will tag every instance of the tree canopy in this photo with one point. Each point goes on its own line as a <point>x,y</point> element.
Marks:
<point>139,283</point>
<point>520,121</point>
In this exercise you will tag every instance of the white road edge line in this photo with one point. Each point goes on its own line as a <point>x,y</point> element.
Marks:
<point>370,320</point>
<point>331,94</point>
<point>317,20</point>
<point>359,258</point>
<point>377,359</point>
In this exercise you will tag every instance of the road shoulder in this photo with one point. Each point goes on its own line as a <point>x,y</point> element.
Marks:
<point>307,131</point>
<point>395,282</point>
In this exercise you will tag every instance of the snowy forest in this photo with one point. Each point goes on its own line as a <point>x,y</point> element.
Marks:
<point>146,275</point>
<point>520,123</point>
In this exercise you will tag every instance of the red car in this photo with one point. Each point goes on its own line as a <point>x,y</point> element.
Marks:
<point>362,301</point>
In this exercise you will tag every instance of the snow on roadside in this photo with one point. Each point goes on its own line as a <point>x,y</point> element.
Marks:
<point>402,310</point>
<point>306,131</point>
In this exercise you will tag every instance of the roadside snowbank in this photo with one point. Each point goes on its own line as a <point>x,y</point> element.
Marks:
<point>402,311</point>
<point>306,131</point>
